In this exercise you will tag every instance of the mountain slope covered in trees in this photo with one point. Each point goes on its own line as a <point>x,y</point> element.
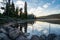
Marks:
<point>54,16</point>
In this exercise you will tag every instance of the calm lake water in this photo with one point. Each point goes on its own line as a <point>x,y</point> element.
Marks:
<point>39,28</point>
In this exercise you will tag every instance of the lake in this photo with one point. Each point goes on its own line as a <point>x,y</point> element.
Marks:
<point>39,28</point>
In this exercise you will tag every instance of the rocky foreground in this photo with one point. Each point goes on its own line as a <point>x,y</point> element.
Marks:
<point>9,33</point>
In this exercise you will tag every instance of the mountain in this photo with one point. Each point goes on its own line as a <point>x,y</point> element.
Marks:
<point>51,18</point>
<point>57,16</point>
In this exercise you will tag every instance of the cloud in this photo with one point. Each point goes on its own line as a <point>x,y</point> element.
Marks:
<point>39,11</point>
<point>36,11</point>
<point>1,0</point>
<point>54,12</point>
<point>53,1</point>
<point>45,13</point>
<point>57,6</point>
<point>46,5</point>
<point>19,4</point>
<point>1,11</point>
<point>1,5</point>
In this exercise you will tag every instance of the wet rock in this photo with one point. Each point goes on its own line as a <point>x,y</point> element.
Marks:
<point>57,38</point>
<point>3,31</point>
<point>51,36</point>
<point>7,28</point>
<point>3,36</point>
<point>10,33</point>
<point>34,37</point>
<point>42,37</point>
<point>13,33</point>
<point>22,38</point>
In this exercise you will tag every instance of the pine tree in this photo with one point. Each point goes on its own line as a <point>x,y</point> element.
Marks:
<point>13,7</point>
<point>25,10</point>
<point>20,13</point>
<point>12,10</point>
<point>16,12</point>
<point>7,9</point>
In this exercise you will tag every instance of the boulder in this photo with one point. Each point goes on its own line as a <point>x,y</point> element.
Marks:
<point>43,37</point>
<point>3,36</point>
<point>3,31</point>
<point>51,36</point>
<point>13,33</point>
<point>22,38</point>
<point>34,37</point>
<point>57,38</point>
<point>7,28</point>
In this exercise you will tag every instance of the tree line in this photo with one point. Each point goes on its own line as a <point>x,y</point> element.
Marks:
<point>12,12</point>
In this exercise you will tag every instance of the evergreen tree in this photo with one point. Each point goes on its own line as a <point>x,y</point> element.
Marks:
<point>16,12</point>
<point>12,10</point>
<point>13,7</point>
<point>7,9</point>
<point>21,13</point>
<point>25,10</point>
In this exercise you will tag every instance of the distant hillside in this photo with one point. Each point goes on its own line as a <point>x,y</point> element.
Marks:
<point>50,16</point>
<point>54,16</point>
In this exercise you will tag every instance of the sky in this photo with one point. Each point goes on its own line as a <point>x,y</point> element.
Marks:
<point>38,7</point>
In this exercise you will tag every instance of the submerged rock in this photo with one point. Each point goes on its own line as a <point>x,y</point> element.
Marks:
<point>42,37</point>
<point>51,36</point>
<point>34,37</point>
<point>57,38</point>
<point>22,38</point>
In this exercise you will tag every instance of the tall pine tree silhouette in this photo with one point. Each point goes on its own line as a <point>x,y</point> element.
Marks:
<point>25,10</point>
<point>21,16</point>
<point>16,12</point>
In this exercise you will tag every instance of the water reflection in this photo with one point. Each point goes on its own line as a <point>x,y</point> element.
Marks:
<point>39,28</point>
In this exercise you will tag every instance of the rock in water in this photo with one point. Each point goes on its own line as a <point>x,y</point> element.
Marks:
<point>22,38</point>
<point>3,37</point>
<point>34,37</point>
<point>43,37</point>
<point>57,38</point>
<point>14,33</point>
